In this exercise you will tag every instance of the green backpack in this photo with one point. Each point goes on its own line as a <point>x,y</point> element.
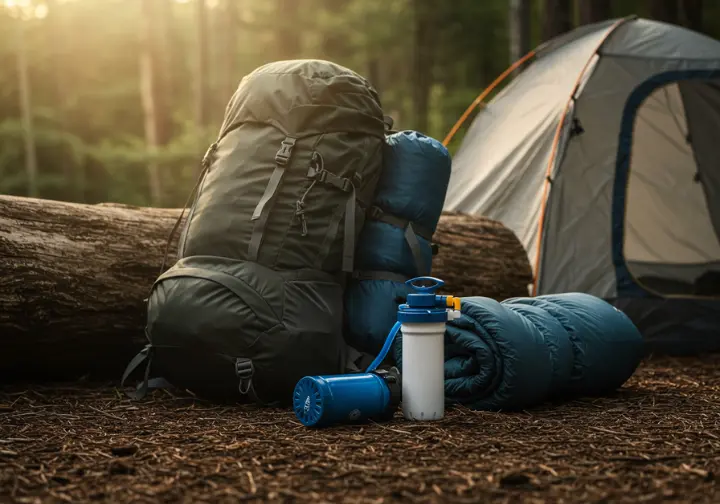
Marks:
<point>255,300</point>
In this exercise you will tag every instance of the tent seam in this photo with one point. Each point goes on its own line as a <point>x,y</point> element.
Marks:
<point>553,152</point>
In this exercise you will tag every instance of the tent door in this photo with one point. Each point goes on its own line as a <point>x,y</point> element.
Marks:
<point>672,199</point>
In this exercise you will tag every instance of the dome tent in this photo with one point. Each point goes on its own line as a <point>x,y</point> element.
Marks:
<point>602,156</point>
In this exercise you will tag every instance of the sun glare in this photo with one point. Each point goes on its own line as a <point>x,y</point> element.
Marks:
<point>32,9</point>
<point>25,9</point>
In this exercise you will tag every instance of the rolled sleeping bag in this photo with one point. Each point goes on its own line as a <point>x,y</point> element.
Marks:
<point>495,358</point>
<point>395,243</point>
<point>607,346</point>
<point>524,351</point>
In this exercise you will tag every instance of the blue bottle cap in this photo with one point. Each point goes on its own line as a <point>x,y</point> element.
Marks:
<point>308,401</point>
<point>422,305</point>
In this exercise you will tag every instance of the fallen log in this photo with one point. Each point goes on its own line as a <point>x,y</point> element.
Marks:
<point>478,256</point>
<point>73,279</point>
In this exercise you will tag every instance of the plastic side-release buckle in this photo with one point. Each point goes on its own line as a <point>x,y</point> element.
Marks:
<point>286,147</point>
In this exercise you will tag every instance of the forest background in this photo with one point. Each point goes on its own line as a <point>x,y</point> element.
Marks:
<point>117,100</point>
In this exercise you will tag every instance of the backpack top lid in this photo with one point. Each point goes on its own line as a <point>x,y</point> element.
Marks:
<point>306,97</point>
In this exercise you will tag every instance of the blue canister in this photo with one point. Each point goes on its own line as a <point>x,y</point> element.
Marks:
<point>319,401</point>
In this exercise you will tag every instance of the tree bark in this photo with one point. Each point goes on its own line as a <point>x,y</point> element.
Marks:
<point>72,282</point>
<point>478,256</point>
<point>594,11</point>
<point>73,279</point>
<point>558,18</point>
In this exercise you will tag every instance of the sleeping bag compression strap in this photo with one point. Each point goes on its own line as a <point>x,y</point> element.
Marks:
<point>317,172</point>
<point>262,210</point>
<point>412,230</point>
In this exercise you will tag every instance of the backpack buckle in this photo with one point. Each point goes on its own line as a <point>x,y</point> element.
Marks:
<point>208,154</point>
<point>244,370</point>
<point>317,174</point>
<point>346,185</point>
<point>286,148</point>
<point>375,213</point>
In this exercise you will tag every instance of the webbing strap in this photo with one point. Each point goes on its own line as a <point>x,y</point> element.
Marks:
<point>245,370</point>
<point>144,354</point>
<point>326,177</point>
<point>234,285</point>
<point>330,235</point>
<point>414,245</point>
<point>378,214</point>
<point>349,238</point>
<point>262,211</point>
<point>379,275</point>
<point>317,173</point>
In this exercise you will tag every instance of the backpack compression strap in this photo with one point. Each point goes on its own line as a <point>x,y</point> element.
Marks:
<point>244,371</point>
<point>262,210</point>
<point>317,172</point>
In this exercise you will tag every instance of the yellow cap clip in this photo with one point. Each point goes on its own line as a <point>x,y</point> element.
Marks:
<point>453,302</point>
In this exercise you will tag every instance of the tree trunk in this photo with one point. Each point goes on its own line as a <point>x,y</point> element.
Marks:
<point>201,71</point>
<point>519,29</point>
<point>26,108</point>
<point>664,10</point>
<point>373,74</point>
<point>150,94</point>
<point>73,279</point>
<point>287,33</point>
<point>56,41</point>
<point>72,282</point>
<point>594,11</point>
<point>423,62</point>
<point>692,11</point>
<point>558,18</point>
<point>334,45</point>
<point>228,51</point>
<point>478,256</point>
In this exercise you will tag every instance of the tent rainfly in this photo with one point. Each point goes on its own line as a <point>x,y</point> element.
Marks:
<point>603,156</point>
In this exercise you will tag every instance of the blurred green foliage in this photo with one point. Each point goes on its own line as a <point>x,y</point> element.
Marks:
<point>84,72</point>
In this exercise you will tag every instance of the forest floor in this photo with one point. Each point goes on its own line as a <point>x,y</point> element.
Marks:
<point>657,439</point>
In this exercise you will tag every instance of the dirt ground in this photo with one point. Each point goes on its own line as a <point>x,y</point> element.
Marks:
<point>657,439</point>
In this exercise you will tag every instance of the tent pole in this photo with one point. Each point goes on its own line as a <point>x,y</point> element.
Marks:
<point>484,94</point>
<point>553,153</point>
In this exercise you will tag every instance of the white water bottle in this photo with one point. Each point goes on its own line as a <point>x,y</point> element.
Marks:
<point>422,321</point>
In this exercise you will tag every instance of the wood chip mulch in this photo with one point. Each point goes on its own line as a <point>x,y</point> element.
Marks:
<point>657,439</point>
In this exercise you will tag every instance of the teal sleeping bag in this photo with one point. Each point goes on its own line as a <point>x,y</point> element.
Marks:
<point>395,244</point>
<point>524,351</point>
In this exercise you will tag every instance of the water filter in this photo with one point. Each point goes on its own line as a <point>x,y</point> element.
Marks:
<point>376,394</point>
<point>422,322</point>
<point>320,401</point>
